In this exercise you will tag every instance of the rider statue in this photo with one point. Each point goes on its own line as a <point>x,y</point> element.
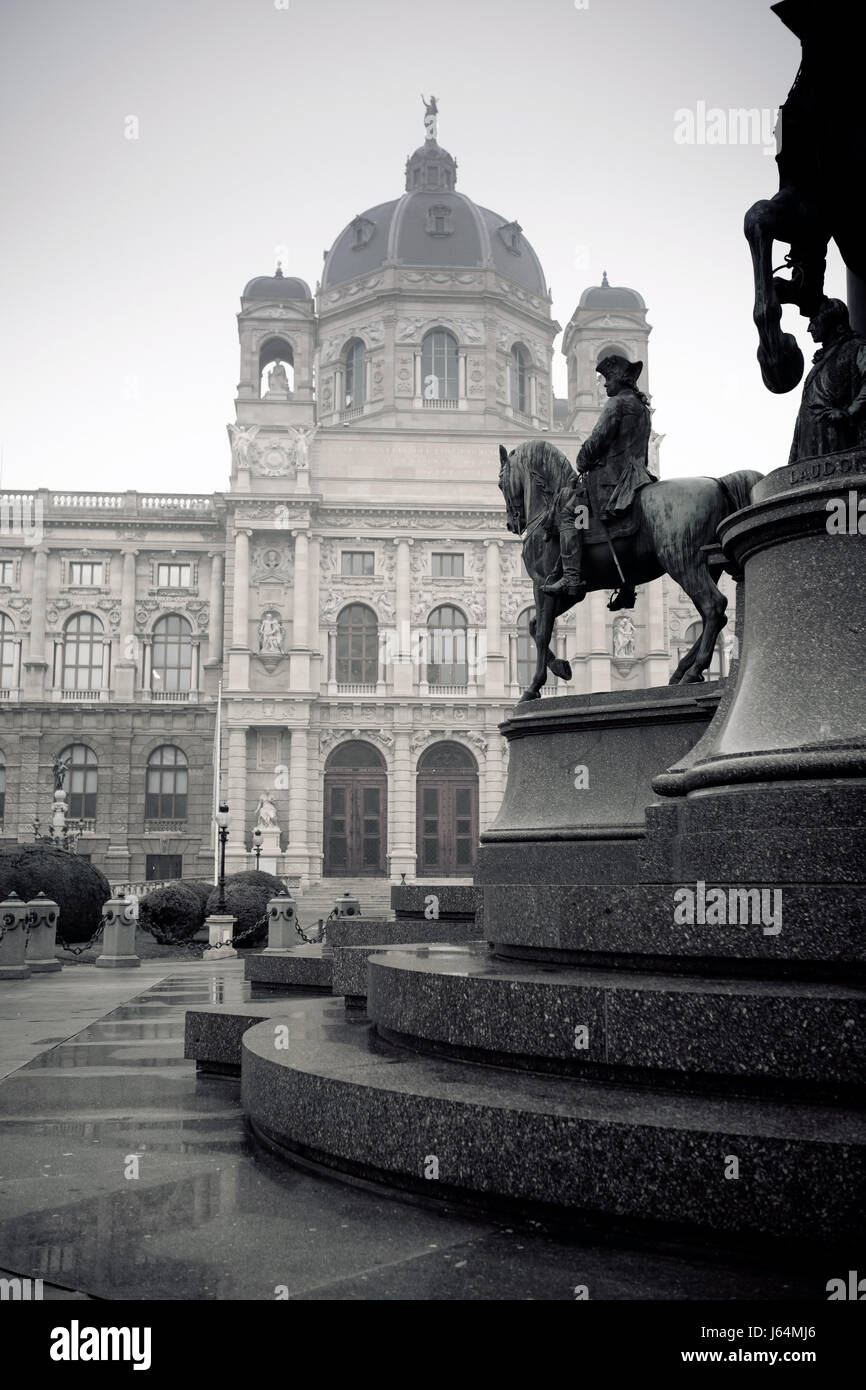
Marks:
<point>616,453</point>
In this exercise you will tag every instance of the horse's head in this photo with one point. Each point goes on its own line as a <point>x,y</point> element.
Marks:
<point>512,492</point>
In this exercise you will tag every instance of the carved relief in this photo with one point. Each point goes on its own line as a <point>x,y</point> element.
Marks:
<point>372,333</point>
<point>438,277</point>
<point>475,376</point>
<point>199,610</point>
<point>378,379</point>
<point>272,561</point>
<point>20,606</point>
<point>354,288</point>
<point>465,330</point>
<point>404,384</point>
<point>329,737</point>
<point>273,458</point>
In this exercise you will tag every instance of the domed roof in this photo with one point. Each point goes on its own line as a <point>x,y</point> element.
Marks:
<point>607,296</point>
<point>277,286</point>
<point>433,226</point>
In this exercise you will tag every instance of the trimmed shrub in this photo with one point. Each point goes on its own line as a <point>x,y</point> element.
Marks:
<point>174,912</point>
<point>247,897</point>
<point>78,887</point>
<point>203,889</point>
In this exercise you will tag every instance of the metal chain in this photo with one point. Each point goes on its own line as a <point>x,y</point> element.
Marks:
<point>79,950</point>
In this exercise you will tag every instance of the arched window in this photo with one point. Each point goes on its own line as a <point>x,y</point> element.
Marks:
<point>519,378</point>
<point>167,784</point>
<point>353,359</point>
<point>172,654</point>
<point>2,786</point>
<point>276,367</point>
<point>7,653</point>
<point>439,366</point>
<point>526,649</point>
<point>81,781</point>
<point>446,647</point>
<point>357,646</point>
<point>83,653</point>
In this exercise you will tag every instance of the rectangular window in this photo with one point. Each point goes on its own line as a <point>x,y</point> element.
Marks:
<point>7,571</point>
<point>162,866</point>
<point>447,566</point>
<point>85,573</point>
<point>170,576</point>
<point>357,562</point>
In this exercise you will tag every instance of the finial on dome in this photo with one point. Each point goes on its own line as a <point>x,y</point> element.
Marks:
<point>278,273</point>
<point>431,111</point>
<point>605,284</point>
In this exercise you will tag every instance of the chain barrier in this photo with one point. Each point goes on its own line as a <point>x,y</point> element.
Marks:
<point>79,950</point>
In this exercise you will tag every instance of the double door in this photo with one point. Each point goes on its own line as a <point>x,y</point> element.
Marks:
<point>447,825</point>
<point>355,824</point>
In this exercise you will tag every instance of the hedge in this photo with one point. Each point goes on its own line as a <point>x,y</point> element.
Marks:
<point>77,886</point>
<point>247,897</point>
<point>173,912</point>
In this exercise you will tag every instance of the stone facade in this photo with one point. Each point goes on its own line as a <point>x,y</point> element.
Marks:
<point>359,480</point>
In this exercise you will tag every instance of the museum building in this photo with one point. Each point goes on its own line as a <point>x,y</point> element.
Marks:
<point>355,593</point>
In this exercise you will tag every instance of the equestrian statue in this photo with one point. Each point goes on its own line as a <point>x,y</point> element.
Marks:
<point>612,524</point>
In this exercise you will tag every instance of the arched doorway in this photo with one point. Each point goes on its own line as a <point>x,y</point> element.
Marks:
<point>447,802</point>
<point>356,811</point>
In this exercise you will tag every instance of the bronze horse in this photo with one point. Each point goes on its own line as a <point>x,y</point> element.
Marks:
<point>822,152</point>
<point>678,518</point>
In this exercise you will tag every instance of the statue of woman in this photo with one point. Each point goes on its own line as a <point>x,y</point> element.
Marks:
<point>266,812</point>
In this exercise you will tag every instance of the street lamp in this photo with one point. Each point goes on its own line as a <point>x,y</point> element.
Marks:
<point>258,837</point>
<point>223,821</point>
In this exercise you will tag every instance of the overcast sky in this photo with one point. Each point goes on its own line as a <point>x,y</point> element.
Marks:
<point>271,123</point>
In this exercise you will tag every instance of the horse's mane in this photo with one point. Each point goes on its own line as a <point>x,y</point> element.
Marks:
<point>542,457</point>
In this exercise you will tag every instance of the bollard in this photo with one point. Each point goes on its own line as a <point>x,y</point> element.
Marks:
<point>43,916</point>
<point>347,906</point>
<point>282,919</point>
<point>13,940</point>
<point>118,937</point>
<point>221,927</point>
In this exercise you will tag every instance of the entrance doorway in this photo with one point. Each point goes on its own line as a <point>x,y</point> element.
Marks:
<point>356,811</point>
<point>447,800</point>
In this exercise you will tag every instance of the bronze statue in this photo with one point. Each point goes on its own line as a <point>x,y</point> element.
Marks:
<point>673,525</point>
<point>832,415</point>
<point>612,467</point>
<point>822,152</point>
<point>59,768</point>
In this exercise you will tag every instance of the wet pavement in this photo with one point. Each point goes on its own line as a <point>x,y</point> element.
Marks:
<point>123,1175</point>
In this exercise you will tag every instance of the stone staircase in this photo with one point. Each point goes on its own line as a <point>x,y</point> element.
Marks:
<point>318,900</point>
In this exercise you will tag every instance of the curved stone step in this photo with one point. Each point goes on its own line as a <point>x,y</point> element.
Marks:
<point>364,1107</point>
<point>654,1028</point>
<point>308,967</point>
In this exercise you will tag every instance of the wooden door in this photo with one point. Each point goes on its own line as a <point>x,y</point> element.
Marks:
<point>355,824</point>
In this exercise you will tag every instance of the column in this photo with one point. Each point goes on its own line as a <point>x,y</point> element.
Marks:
<point>403,619</point>
<point>35,666</point>
<point>314,635</point>
<point>491,788</point>
<point>401,848</point>
<point>215,615</point>
<point>241,594</point>
<point>297,850</point>
<point>239,654</point>
<point>461,376</point>
<point>533,395</point>
<point>599,652</point>
<point>339,400</point>
<point>332,661</point>
<point>236,795</point>
<point>124,676</point>
<point>657,655</point>
<point>418,384</point>
<point>299,661</point>
<point>494,680</point>
<point>512,659</point>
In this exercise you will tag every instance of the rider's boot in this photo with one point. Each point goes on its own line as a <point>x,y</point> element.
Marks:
<point>570,545</point>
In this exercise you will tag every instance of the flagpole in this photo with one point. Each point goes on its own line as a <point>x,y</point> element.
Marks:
<point>217,765</point>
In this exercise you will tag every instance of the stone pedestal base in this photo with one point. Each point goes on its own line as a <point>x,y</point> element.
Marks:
<point>220,928</point>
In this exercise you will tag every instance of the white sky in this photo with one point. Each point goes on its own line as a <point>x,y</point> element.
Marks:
<point>122,262</point>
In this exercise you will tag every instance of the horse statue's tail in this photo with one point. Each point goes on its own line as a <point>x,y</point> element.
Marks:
<point>737,488</point>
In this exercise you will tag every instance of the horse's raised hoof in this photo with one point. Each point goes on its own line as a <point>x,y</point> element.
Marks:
<point>782,365</point>
<point>562,669</point>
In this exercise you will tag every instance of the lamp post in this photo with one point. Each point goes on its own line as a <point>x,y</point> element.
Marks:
<point>257,844</point>
<point>223,821</point>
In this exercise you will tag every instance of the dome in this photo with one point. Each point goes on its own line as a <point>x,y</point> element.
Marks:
<point>607,296</point>
<point>277,286</point>
<point>433,226</point>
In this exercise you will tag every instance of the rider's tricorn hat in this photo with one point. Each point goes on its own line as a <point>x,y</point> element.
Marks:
<point>615,363</point>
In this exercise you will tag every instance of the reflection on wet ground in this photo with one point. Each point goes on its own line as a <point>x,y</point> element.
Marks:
<point>125,1176</point>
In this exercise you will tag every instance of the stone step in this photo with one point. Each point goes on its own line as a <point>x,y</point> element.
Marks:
<point>672,1030</point>
<point>307,967</point>
<point>213,1032</point>
<point>820,926</point>
<point>715,1167</point>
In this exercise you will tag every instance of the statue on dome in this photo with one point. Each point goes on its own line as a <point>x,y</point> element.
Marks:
<point>431,111</point>
<point>278,380</point>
